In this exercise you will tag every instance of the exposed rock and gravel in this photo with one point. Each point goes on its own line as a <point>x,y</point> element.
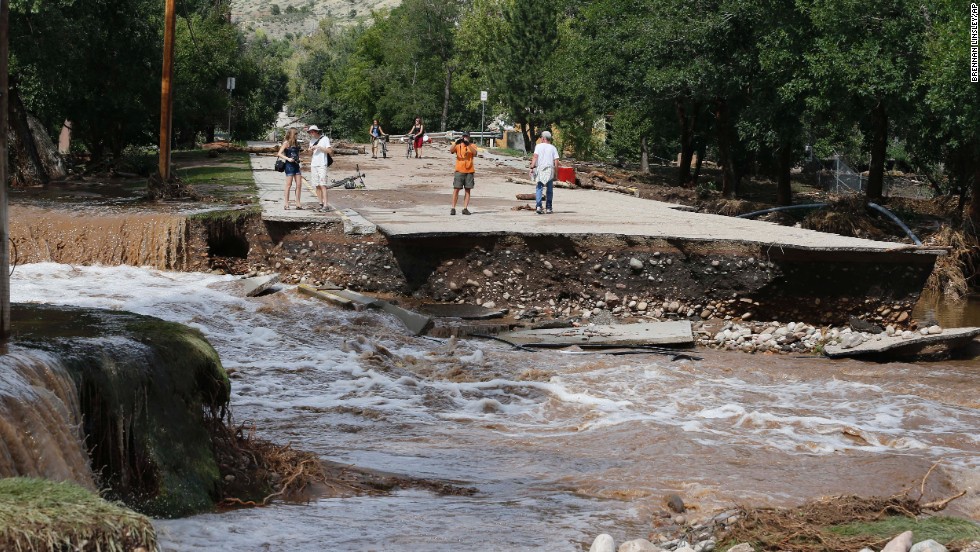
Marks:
<point>899,523</point>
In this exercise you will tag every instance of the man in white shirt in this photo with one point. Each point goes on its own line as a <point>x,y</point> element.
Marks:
<point>320,146</point>
<point>544,168</point>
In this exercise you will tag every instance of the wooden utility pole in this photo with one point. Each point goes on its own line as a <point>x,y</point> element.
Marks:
<point>4,224</point>
<point>166,90</point>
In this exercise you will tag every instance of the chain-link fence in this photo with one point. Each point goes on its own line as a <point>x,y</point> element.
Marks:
<point>841,178</point>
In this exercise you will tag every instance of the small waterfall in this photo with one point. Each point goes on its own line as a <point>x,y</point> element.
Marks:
<point>40,421</point>
<point>138,239</point>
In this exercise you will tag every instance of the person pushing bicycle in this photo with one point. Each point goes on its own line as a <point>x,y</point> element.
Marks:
<point>415,136</point>
<point>376,135</point>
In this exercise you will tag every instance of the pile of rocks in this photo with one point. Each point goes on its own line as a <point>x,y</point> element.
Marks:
<point>901,543</point>
<point>796,337</point>
<point>675,531</point>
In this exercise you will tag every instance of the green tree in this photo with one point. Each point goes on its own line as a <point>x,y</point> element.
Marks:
<point>261,87</point>
<point>111,97</point>
<point>693,62</point>
<point>863,67</point>
<point>206,54</point>
<point>399,67</point>
<point>946,131</point>
<point>524,64</point>
<point>480,32</point>
<point>771,125</point>
<point>318,60</point>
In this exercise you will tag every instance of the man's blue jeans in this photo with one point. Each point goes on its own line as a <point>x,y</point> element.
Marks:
<point>539,188</point>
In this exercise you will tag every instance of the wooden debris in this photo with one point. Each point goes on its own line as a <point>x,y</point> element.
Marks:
<point>558,183</point>
<point>603,177</point>
<point>620,189</point>
<point>569,186</point>
<point>526,197</point>
<point>343,148</point>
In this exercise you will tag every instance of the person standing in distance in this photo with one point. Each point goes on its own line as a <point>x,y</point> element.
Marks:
<point>465,151</point>
<point>544,168</point>
<point>289,152</point>
<point>320,146</point>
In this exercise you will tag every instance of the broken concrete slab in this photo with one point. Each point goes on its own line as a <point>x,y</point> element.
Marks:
<point>463,310</point>
<point>651,333</point>
<point>327,296</point>
<point>355,224</point>
<point>882,345</point>
<point>259,284</point>
<point>416,323</point>
<point>458,327</point>
<point>360,301</point>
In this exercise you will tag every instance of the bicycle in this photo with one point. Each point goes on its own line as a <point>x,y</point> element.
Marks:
<point>411,146</point>
<point>351,182</point>
<point>383,140</point>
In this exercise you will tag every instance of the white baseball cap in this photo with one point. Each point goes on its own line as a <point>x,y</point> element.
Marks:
<point>546,134</point>
<point>314,128</point>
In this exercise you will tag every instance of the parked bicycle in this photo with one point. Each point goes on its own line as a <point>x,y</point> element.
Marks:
<point>383,141</point>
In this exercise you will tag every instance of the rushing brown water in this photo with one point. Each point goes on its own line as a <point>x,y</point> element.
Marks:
<point>39,420</point>
<point>561,446</point>
<point>148,239</point>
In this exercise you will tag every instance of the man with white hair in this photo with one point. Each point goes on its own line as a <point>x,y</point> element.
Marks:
<point>320,146</point>
<point>544,168</point>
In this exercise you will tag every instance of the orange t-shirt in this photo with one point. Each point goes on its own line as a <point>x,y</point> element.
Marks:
<point>464,157</point>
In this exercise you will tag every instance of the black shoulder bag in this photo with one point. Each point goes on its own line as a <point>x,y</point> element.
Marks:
<point>329,159</point>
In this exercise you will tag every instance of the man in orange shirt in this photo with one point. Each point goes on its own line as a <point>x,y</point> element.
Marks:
<point>463,179</point>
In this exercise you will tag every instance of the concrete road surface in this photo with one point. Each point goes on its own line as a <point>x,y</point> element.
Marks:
<point>411,197</point>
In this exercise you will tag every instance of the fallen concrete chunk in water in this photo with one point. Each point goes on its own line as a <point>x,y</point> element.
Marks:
<point>650,333</point>
<point>327,296</point>
<point>898,345</point>
<point>416,323</point>
<point>259,284</point>
<point>464,311</point>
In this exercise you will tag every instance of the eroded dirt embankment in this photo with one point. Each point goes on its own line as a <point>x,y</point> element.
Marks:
<point>597,277</point>
<point>594,276</point>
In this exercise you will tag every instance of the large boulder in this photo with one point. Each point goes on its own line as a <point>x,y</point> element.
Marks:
<point>147,390</point>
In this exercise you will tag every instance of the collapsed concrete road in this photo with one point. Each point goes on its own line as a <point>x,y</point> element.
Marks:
<point>600,251</point>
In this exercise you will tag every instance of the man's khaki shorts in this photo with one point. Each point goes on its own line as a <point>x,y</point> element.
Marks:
<point>463,180</point>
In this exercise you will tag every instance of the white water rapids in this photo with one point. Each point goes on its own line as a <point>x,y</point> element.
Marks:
<point>561,447</point>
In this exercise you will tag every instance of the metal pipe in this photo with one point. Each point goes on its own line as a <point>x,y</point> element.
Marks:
<point>783,208</point>
<point>891,216</point>
<point>895,219</point>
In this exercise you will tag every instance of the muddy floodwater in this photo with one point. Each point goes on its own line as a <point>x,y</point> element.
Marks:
<point>561,446</point>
